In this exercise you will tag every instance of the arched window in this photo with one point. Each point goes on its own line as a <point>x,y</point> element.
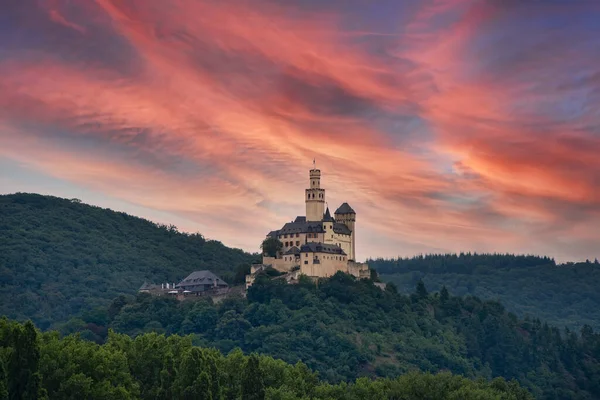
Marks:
<point>313,196</point>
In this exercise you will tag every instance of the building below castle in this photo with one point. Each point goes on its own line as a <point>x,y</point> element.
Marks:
<point>316,245</point>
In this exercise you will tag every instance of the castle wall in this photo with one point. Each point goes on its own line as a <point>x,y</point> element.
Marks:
<point>281,264</point>
<point>350,221</point>
<point>298,239</point>
<point>359,270</point>
<point>322,265</point>
<point>345,242</point>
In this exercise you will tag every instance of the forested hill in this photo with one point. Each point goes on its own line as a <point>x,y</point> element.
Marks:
<point>346,329</point>
<point>59,256</point>
<point>152,367</point>
<point>562,295</point>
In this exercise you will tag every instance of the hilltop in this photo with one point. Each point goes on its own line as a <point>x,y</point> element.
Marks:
<point>563,295</point>
<point>59,256</point>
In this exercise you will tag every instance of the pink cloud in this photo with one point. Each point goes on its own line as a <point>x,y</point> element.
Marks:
<point>248,96</point>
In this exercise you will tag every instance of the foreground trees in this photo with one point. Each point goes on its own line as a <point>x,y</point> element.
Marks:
<point>346,329</point>
<point>152,366</point>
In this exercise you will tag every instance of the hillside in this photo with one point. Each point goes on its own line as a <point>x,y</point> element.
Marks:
<point>346,329</point>
<point>154,367</point>
<point>59,257</point>
<point>563,295</point>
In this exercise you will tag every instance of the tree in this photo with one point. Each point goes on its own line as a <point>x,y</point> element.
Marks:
<point>444,295</point>
<point>253,386</point>
<point>240,273</point>
<point>3,379</point>
<point>391,287</point>
<point>271,246</point>
<point>374,276</point>
<point>25,380</point>
<point>421,290</point>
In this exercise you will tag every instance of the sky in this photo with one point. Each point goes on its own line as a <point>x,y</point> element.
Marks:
<point>448,125</point>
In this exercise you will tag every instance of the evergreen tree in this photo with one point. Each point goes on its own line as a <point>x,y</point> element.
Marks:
<point>391,287</point>
<point>421,290</point>
<point>444,295</point>
<point>253,387</point>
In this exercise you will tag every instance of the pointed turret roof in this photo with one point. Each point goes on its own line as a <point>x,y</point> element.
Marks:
<point>345,209</point>
<point>327,217</point>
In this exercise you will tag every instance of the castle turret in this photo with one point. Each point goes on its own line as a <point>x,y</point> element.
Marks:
<point>347,216</point>
<point>328,221</point>
<point>315,197</point>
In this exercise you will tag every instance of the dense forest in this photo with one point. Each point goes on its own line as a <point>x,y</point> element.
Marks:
<point>39,366</point>
<point>77,268</point>
<point>59,256</point>
<point>346,329</point>
<point>563,295</point>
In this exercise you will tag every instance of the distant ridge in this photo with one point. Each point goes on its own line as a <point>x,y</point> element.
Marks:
<point>59,257</point>
<point>564,295</point>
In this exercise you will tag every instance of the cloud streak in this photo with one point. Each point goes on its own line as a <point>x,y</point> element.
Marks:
<point>468,126</point>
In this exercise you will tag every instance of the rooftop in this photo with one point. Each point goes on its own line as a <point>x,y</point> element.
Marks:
<point>315,247</point>
<point>201,278</point>
<point>345,209</point>
<point>327,217</point>
<point>293,250</point>
<point>300,226</point>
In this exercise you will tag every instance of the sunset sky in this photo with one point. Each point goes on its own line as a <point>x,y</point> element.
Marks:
<point>448,125</point>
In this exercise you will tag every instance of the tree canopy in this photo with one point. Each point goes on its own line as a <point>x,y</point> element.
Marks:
<point>59,257</point>
<point>271,246</point>
<point>153,366</point>
<point>563,295</point>
<point>347,329</point>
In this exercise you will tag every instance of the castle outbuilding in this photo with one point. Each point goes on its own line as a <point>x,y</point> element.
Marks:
<point>317,245</point>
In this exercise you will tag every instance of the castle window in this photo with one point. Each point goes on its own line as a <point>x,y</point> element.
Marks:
<point>297,235</point>
<point>305,261</point>
<point>297,243</point>
<point>313,196</point>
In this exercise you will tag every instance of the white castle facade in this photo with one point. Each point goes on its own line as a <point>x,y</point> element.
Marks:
<point>316,245</point>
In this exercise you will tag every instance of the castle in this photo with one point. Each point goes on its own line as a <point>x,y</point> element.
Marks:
<point>316,245</point>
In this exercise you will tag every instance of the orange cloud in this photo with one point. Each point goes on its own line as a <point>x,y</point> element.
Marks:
<point>214,111</point>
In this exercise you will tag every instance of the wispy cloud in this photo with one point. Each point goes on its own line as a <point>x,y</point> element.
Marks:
<point>468,126</point>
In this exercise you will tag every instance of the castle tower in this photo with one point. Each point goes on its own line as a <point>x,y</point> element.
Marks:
<point>315,197</point>
<point>347,216</point>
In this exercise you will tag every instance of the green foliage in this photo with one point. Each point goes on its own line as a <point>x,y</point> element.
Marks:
<point>271,246</point>
<point>153,366</point>
<point>59,257</point>
<point>20,353</point>
<point>563,295</point>
<point>253,385</point>
<point>345,329</point>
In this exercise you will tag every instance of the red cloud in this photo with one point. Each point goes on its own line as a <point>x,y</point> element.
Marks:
<point>252,94</point>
